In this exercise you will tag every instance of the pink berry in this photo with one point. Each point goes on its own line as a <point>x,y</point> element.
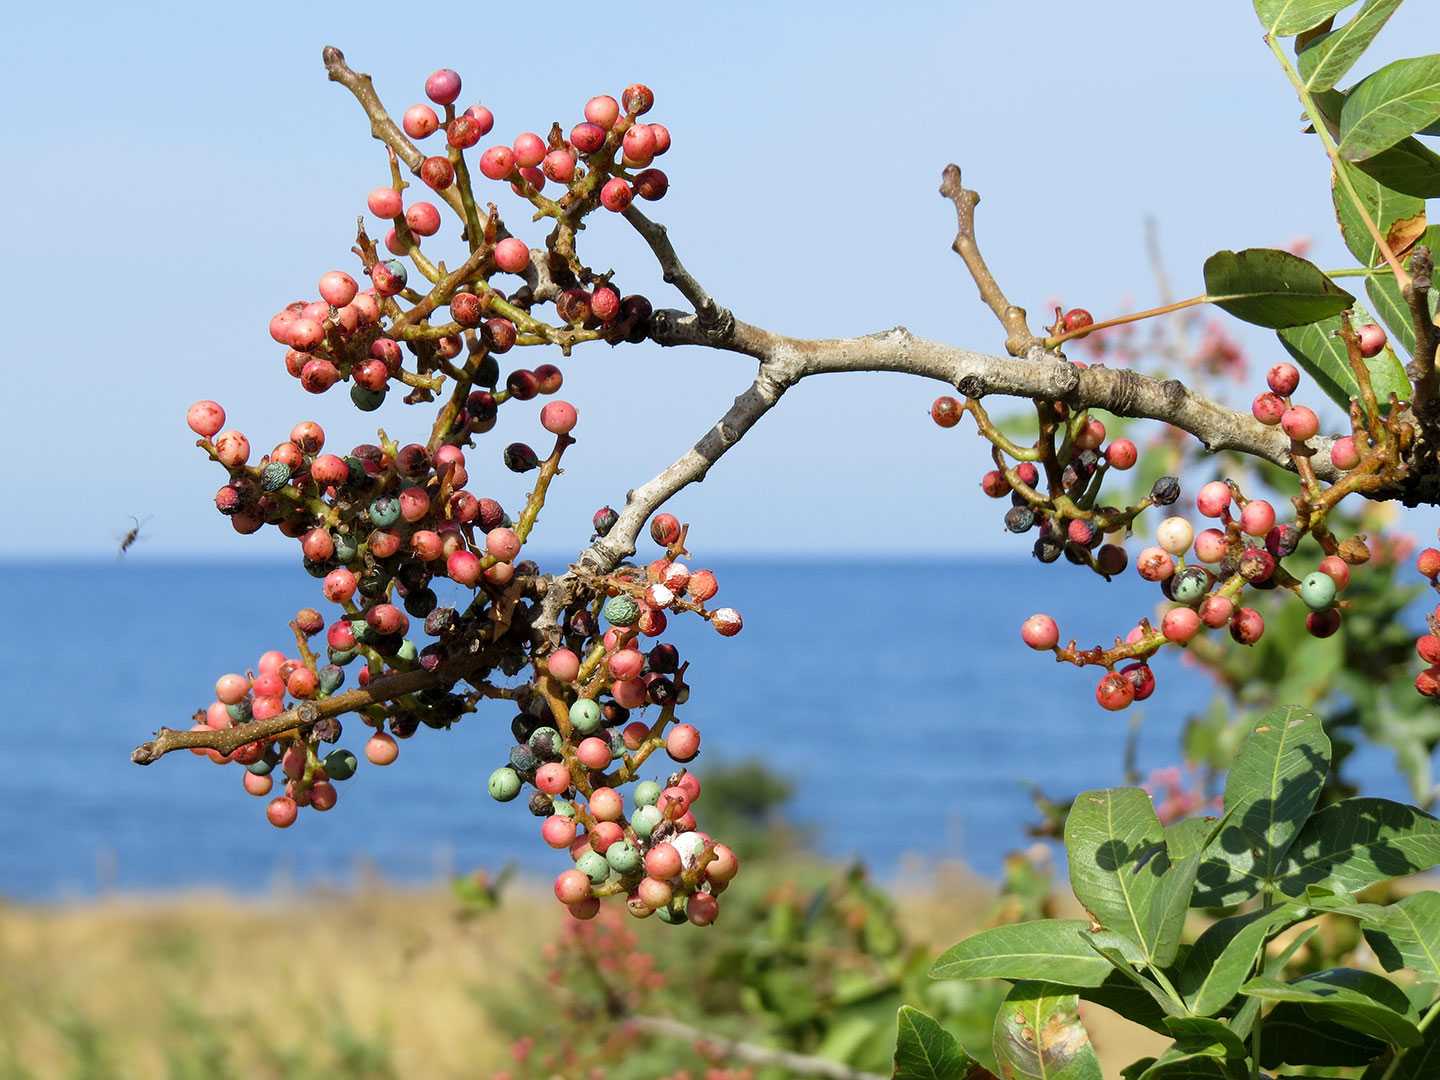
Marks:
<point>1211,545</point>
<point>1154,564</point>
<point>572,887</point>
<point>205,418</point>
<point>1344,454</point>
<point>282,811</point>
<point>662,138</point>
<point>552,778</point>
<point>1300,423</point>
<point>1247,626</point>
<point>606,804</point>
<point>318,545</point>
<point>1337,568</point>
<point>338,288</point>
<point>593,753</point>
<point>484,119</point>
<point>1215,611</point>
<point>724,866</point>
<point>627,664</point>
<point>385,202</point>
<point>604,835</point>
<point>558,417</point>
<point>1283,379</point>
<point>1372,340</point>
<point>1268,408</point>
<point>529,149</point>
<point>231,689</point>
<point>702,909</point>
<point>602,110</point>
<point>511,255</point>
<point>557,831</point>
<point>420,121</point>
<point>423,219</point>
<point>1040,632</point>
<point>1258,518</point>
<point>1121,454</point>
<point>381,749</point>
<point>1180,625</point>
<point>443,86</point>
<point>639,146</point>
<point>559,165</point>
<point>258,786</point>
<point>616,194</point>
<point>1213,499</point>
<point>232,448</point>
<point>662,862</point>
<point>502,543</point>
<point>629,693</point>
<point>563,664</point>
<point>463,567</point>
<point>702,586</point>
<point>498,162</point>
<point>654,892</point>
<point>329,469</point>
<point>683,742</point>
<point>587,138</point>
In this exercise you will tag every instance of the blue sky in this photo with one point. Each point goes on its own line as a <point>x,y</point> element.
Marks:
<point>177,173</point>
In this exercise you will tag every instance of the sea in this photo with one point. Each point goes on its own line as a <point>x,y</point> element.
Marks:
<point>895,694</point>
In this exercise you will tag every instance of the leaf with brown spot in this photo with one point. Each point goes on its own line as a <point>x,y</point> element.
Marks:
<point>1038,1036</point>
<point>1404,232</point>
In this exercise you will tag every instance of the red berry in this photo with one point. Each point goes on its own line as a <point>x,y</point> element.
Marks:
<point>587,138</point>
<point>1268,408</point>
<point>616,195</point>
<point>1180,625</point>
<point>1427,645</point>
<point>1344,454</point>
<point>1077,319</point>
<point>512,256</point>
<point>1141,678</point>
<point>1213,498</point>
<point>419,121</point>
<point>1115,692</point>
<point>443,86</point>
<point>651,185</point>
<point>1121,454</point>
<point>498,162</point>
<point>602,110</point>
<point>282,812</point>
<point>385,202</point>
<point>1428,563</point>
<point>529,149</point>
<point>1372,340</point>
<point>1247,626</point>
<point>205,418</point>
<point>1300,423</point>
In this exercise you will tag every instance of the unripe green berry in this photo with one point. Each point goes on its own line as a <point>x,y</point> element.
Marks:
<point>1318,591</point>
<point>621,611</point>
<point>1190,585</point>
<point>366,400</point>
<point>563,807</point>
<point>623,857</point>
<point>504,784</point>
<point>645,820</point>
<point>673,916</point>
<point>340,764</point>
<point>594,866</point>
<point>274,476</point>
<point>585,716</point>
<point>385,511</point>
<point>647,793</point>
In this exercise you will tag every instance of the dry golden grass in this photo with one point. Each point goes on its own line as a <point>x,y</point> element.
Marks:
<point>155,987</point>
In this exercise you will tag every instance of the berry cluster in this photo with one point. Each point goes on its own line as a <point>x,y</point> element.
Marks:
<point>1428,644</point>
<point>388,528</point>
<point>1055,485</point>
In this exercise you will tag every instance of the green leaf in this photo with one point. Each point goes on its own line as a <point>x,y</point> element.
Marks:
<point>926,1051</point>
<point>1356,842</point>
<point>1318,349</point>
<point>1225,954</point>
<point>1166,921</point>
<point>1399,217</point>
<point>1421,1062</point>
<point>1038,1036</point>
<point>1324,61</point>
<point>1046,949</point>
<point>1284,18</point>
<point>1271,789</point>
<point>1395,102</point>
<point>1409,167</point>
<point>1192,1065</point>
<point>1293,1036</point>
<point>1407,934</point>
<point>1274,967</point>
<point>1123,994</point>
<point>1117,857</point>
<point>1273,288</point>
<point>1361,1000</point>
<point>1199,1034</point>
<point>1124,959</point>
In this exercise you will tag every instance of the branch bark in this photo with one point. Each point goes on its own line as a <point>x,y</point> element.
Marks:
<point>749,1053</point>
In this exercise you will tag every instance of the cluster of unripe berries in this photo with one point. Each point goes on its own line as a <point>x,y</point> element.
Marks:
<point>579,742</point>
<point>1245,548</point>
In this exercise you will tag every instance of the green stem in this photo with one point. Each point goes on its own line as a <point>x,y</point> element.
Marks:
<point>1322,129</point>
<point>1358,271</point>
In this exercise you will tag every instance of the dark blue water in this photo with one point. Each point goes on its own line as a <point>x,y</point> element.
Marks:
<point>897,696</point>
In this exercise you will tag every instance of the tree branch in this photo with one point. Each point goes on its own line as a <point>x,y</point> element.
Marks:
<point>1018,338</point>
<point>735,1050</point>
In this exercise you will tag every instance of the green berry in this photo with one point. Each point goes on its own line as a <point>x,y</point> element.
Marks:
<point>407,650</point>
<point>240,711</point>
<point>1190,585</point>
<point>623,857</point>
<point>274,476</point>
<point>647,793</point>
<point>545,742</point>
<point>621,611</point>
<point>1318,591</point>
<point>263,767</point>
<point>645,820</point>
<point>344,548</point>
<point>585,716</point>
<point>594,866</point>
<point>340,764</point>
<point>671,915</point>
<point>563,807</point>
<point>504,784</point>
<point>385,511</point>
<point>367,400</point>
